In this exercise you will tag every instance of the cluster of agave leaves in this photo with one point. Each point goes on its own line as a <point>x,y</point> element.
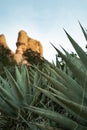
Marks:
<point>29,97</point>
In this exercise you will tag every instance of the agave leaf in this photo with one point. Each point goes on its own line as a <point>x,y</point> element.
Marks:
<point>79,50</point>
<point>70,83</point>
<point>64,122</point>
<point>22,79</point>
<point>78,73</point>
<point>10,102</point>
<point>52,96</point>
<point>29,88</point>
<point>5,85</point>
<point>44,127</point>
<point>18,77</point>
<point>57,92</point>
<point>8,106</point>
<point>8,90</point>
<point>49,94</point>
<point>54,74</point>
<point>65,79</point>
<point>32,126</point>
<point>75,60</point>
<point>8,111</point>
<point>85,34</point>
<point>79,109</point>
<point>36,78</point>
<point>36,81</point>
<point>5,93</point>
<point>29,91</point>
<point>81,67</point>
<point>25,78</point>
<point>14,86</point>
<point>59,86</point>
<point>55,98</point>
<point>33,92</point>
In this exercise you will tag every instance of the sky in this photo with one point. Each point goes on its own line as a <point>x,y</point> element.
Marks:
<point>44,20</point>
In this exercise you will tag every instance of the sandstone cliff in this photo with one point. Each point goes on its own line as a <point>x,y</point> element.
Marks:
<point>24,43</point>
<point>6,55</point>
<point>25,46</point>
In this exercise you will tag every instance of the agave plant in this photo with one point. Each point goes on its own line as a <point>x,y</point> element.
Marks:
<point>16,92</point>
<point>46,97</point>
<point>66,91</point>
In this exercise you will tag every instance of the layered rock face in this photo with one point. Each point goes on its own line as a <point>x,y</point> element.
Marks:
<point>24,43</point>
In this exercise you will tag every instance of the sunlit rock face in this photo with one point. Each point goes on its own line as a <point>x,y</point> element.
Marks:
<point>28,50</point>
<point>4,44</point>
<point>3,41</point>
<point>24,42</point>
<point>6,54</point>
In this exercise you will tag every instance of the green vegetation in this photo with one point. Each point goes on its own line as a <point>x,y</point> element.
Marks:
<point>47,96</point>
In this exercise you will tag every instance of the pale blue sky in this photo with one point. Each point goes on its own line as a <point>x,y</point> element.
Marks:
<point>44,20</point>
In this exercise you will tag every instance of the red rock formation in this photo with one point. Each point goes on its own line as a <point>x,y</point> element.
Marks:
<point>4,43</point>
<point>6,55</point>
<point>24,44</point>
